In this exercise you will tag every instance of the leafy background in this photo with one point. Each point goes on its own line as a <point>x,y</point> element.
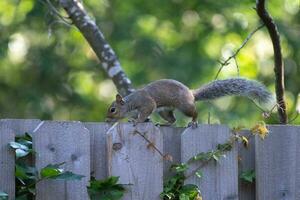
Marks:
<point>48,71</point>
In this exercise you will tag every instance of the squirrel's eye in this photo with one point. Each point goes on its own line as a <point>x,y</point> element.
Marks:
<point>113,109</point>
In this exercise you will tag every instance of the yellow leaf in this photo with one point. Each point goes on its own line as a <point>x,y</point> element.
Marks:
<point>238,128</point>
<point>168,157</point>
<point>260,129</point>
<point>245,141</point>
<point>199,197</point>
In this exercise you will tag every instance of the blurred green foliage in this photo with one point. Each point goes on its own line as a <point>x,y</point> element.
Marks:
<point>48,71</point>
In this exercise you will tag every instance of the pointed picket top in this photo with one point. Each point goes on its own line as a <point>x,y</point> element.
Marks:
<point>58,142</point>
<point>22,126</point>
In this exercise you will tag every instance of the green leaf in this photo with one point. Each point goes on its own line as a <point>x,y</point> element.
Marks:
<point>224,147</point>
<point>248,176</point>
<point>184,197</point>
<point>215,157</point>
<point>50,171</point>
<point>22,197</point>
<point>24,172</point>
<point>199,174</point>
<point>179,168</point>
<point>68,176</point>
<point>21,172</point>
<point>32,190</point>
<point>21,153</point>
<point>55,172</point>
<point>190,190</point>
<point>3,196</point>
<point>20,149</point>
<point>200,156</point>
<point>107,189</point>
<point>16,145</point>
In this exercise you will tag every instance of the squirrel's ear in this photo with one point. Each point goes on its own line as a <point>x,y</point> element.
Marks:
<point>119,99</point>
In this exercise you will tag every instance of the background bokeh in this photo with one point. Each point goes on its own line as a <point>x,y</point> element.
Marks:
<point>48,71</point>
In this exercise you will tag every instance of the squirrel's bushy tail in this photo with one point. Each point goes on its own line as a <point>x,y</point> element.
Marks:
<point>234,86</point>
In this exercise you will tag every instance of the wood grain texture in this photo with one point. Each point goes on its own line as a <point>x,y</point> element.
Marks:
<point>57,142</point>
<point>137,164</point>
<point>220,179</point>
<point>7,161</point>
<point>21,126</point>
<point>246,163</point>
<point>277,164</point>
<point>172,146</point>
<point>98,149</point>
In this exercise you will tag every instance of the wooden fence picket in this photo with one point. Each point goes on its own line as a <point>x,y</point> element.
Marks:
<point>57,142</point>
<point>220,179</point>
<point>172,146</point>
<point>132,158</point>
<point>277,164</point>
<point>98,149</point>
<point>21,126</point>
<point>246,162</point>
<point>7,161</point>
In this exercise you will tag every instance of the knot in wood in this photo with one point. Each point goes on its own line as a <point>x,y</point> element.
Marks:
<point>74,157</point>
<point>51,147</point>
<point>283,193</point>
<point>117,146</point>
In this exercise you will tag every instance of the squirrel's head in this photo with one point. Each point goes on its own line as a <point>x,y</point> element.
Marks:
<point>117,110</point>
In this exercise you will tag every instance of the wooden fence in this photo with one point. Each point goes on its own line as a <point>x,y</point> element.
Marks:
<point>103,151</point>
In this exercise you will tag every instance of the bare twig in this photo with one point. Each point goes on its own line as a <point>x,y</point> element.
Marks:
<point>279,72</point>
<point>233,56</point>
<point>293,119</point>
<point>53,11</point>
<point>237,66</point>
<point>150,143</point>
<point>95,38</point>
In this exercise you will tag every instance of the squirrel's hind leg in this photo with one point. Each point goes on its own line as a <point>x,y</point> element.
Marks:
<point>167,115</point>
<point>190,111</point>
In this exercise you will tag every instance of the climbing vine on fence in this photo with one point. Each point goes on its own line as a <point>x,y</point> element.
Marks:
<point>174,187</point>
<point>27,176</point>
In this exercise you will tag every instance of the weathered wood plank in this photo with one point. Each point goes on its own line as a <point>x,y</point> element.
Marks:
<point>220,180</point>
<point>57,142</point>
<point>137,164</point>
<point>246,163</point>
<point>21,126</point>
<point>98,149</point>
<point>172,146</point>
<point>277,164</point>
<point>7,161</point>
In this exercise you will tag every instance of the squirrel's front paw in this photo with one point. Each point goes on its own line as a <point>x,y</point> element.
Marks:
<point>193,124</point>
<point>134,122</point>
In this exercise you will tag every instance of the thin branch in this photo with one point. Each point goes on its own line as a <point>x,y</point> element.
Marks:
<point>296,116</point>
<point>196,169</point>
<point>278,68</point>
<point>150,143</point>
<point>93,35</point>
<point>233,56</point>
<point>53,11</point>
<point>237,66</point>
<point>57,13</point>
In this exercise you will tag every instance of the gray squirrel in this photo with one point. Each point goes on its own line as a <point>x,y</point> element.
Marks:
<point>166,95</point>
